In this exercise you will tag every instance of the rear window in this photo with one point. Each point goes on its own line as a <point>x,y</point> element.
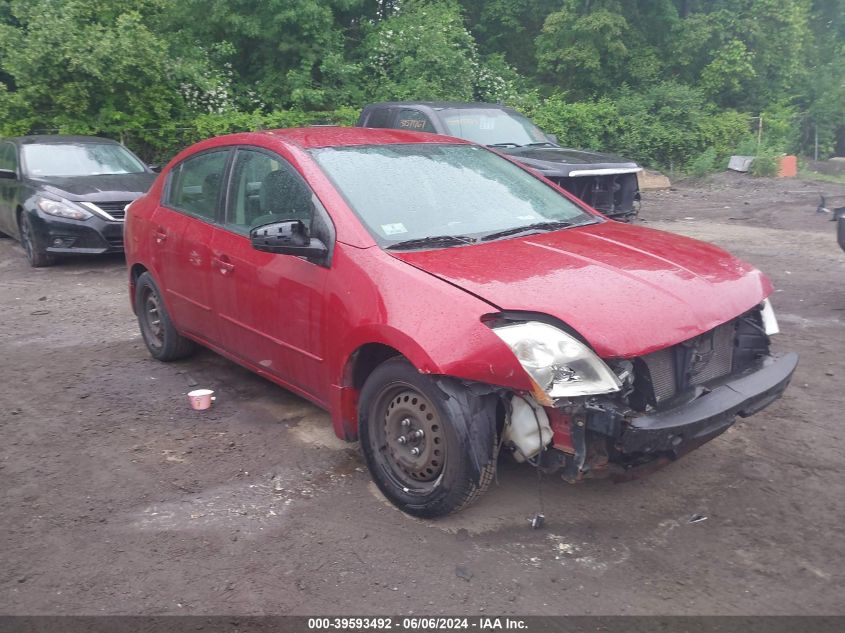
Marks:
<point>415,121</point>
<point>196,183</point>
<point>379,117</point>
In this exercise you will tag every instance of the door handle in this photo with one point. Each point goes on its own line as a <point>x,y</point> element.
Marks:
<point>223,265</point>
<point>160,236</point>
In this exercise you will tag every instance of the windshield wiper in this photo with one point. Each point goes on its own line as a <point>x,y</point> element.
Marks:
<point>537,226</point>
<point>540,144</point>
<point>504,145</point>
<point>432,240</point>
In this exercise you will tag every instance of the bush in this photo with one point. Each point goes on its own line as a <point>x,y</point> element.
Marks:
<point>667,126</point>
<point>704,163</point>
<point>584,124</point>
<point>766,165</point>
<point>159,146</point>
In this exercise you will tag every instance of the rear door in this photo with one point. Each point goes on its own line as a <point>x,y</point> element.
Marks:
<point>182,229</point>
<point>270,306</point>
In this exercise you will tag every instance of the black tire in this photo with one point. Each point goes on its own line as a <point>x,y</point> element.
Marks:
<point>33,246</point>
<point>160,337</point>
<point>455,462</point>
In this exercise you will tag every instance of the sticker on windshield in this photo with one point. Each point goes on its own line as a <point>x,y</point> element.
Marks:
<point>393,229</point>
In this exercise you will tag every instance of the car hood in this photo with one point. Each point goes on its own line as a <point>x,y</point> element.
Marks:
<point>560,161</point>
<point>628,290</point>
<point>94,188</point>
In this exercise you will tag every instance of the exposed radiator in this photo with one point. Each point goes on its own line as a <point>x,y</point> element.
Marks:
<point>702,359</point>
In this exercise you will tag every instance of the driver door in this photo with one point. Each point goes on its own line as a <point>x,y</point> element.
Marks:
<point>269,306</point>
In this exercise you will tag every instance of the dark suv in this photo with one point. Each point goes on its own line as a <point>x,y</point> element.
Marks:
<point>605,182</point>
<point>67,194</point>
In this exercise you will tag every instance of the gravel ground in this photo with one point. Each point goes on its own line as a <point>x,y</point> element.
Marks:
<point>120,500</point>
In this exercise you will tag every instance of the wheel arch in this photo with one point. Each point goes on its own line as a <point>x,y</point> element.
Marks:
<point>372,349</point>
<point>135,271</point>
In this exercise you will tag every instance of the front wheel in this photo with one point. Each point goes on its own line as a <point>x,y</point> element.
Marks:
<point>161,338</point>
<point>36,252</point>
<point>429,443</point>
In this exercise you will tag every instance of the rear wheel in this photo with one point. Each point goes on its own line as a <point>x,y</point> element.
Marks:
<point>36,251</point>
<point>429,443</point>
<point>161,338</point>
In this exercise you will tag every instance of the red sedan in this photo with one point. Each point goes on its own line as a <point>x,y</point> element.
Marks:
<point>446,304</point>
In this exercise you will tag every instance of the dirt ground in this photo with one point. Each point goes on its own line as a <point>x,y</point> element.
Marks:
<point>119,500</point>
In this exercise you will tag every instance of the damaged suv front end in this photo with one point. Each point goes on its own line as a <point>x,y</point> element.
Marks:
<point>620,417</point>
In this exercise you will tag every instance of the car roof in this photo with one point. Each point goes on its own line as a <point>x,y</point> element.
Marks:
<point>331,136</point>
<point>45,139</point>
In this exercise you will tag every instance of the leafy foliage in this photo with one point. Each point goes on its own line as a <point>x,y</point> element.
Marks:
<point>662,81</point>
<point>705,163</point>
<point>425,53</point>
<point>765,164</point>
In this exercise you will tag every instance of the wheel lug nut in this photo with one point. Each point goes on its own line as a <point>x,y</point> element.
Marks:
<point>402,439</point>
<point>406,422</point>
<point>415,451</point>
<point>419,434</point>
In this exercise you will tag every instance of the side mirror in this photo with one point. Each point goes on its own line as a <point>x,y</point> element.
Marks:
<point>552,138</point>
<point>8,174</point>
<point>289,237</point>
<point>155,168</point>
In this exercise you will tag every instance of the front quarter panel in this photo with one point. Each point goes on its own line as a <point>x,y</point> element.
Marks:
<point>375,298</point>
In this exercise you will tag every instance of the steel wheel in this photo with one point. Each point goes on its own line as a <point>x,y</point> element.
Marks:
<point>429,442</point>
<point>410,438</point>
<point>160,336</point>
<point>153,329</point>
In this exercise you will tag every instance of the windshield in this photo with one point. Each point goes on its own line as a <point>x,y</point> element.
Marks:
<point>491,126</point>
<point>411,192</point>
<point>79,159</point>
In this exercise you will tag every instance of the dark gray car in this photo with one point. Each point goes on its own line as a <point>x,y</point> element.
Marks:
<point>607,183</point>
<point>64,195</point>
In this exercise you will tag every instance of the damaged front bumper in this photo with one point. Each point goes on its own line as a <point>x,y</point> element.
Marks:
<point>712,413</point>
<point>602,439</point>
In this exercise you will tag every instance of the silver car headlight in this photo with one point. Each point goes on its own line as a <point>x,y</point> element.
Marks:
<point>559,365</point>
<point>62,209</point>
<point>767,314</point>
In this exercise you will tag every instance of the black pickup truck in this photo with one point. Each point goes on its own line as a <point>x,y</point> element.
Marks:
<point>607,183</point>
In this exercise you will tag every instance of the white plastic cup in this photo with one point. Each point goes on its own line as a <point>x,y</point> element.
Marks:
<point>201,399</point>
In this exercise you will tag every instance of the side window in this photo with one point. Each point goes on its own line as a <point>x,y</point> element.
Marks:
<point>380,117</point>
<point>8,157</point>
<point>196,182</point>
<point>414,120</point>
<point>264,189</point>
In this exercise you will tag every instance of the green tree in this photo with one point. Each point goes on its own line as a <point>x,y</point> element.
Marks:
<point>280,52</point>
<point>88,66</point>
<point>590,47</point>
<point>509,28</point>
<point>426,52</point>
